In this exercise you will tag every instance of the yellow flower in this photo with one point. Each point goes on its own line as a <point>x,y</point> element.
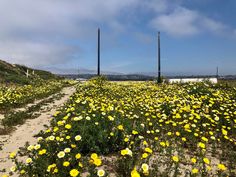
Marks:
<point>145,143</point>
<point>175,158</point>
<point>206,160</point>
<point>43,151</point>
<point>12,155</point>
<point>51,167</point>
<point>97,162</point>
<point>177,133</point>
<point>66,164</point>
<point>163,144</point>
<point>110,118</point>
<point>74,173</point>
<point>224,132</point>
<point>101,172</point>
<point>126,139</point>
<point>94,156</point>
<point>73,145</point>
<point>55,170</point>
<point>120,127</point>
<point>221,167</point>
<point>80,165</point>
<point>55,129</point>
<point>169,133</point>
<point>194,170</point>
<point>148,150</point>
<point>60,123</point>
<point>205,139</point>
<point>126,151</point>
<point>144,155</point>
<point>78,156</point>
<point>193,160</point>
<point>68,126</point>
<point>28,160</point>
<point>202,145</point>
<point>134,173</point>
<point>5,176</point>
<point>22,172</point>
<point>134,132</point>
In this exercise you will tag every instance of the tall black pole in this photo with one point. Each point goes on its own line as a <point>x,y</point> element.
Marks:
<point>159,59</point>
<point>98,52</point>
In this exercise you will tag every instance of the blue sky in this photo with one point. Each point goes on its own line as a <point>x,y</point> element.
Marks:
<point>60,35</point>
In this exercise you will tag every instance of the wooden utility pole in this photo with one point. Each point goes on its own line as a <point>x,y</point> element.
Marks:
<point>98,52</point>
<point>159,59</point>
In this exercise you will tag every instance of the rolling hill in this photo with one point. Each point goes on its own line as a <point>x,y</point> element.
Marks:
<point>16,74</point>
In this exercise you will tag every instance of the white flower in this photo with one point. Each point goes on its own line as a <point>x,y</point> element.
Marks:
<point>61,154</point>
<point>101,172</point>
<point>78,137</point>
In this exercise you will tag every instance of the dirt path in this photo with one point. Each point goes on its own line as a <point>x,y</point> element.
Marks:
<point>24,133</point>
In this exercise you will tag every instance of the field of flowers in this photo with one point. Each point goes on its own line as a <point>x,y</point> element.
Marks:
<point>12,96</point>
<point>137,129</point>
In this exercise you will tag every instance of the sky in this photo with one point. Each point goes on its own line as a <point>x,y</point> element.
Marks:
<point>61,35</point>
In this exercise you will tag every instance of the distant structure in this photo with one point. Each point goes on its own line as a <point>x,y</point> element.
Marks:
<point>185,80</point>
<point>217,72</point>
<point>159,59</point>
<point>98,73</point>
<point>28,74</point>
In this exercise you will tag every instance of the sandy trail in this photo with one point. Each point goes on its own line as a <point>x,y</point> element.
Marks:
<point>24,133</point>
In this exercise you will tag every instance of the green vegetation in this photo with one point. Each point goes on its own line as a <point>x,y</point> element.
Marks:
<point>16,74</point>
<point>16,96</point>
<point>227,83</point>
<point>13,118</point>
<point>137,129</point>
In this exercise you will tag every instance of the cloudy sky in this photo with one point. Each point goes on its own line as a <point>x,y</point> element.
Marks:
<point>60,35</point>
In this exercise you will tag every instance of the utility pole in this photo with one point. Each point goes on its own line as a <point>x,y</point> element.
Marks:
<point>159,59</point>
<point>217,72</point>
<point>98,52</point>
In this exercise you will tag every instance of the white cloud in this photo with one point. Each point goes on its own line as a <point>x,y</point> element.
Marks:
<point>34,32</point>
<point>181,22</point>
<point>213,26</point>
<point>185,22</point>
<point>36,54</point>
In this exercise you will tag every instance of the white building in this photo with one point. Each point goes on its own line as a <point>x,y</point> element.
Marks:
<point>184,80</point>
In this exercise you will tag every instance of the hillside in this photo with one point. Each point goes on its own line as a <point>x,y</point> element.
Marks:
<point>14,73</point>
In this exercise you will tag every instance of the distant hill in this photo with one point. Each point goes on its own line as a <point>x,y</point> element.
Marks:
<point>14,73</point>
<point>123,77</point>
